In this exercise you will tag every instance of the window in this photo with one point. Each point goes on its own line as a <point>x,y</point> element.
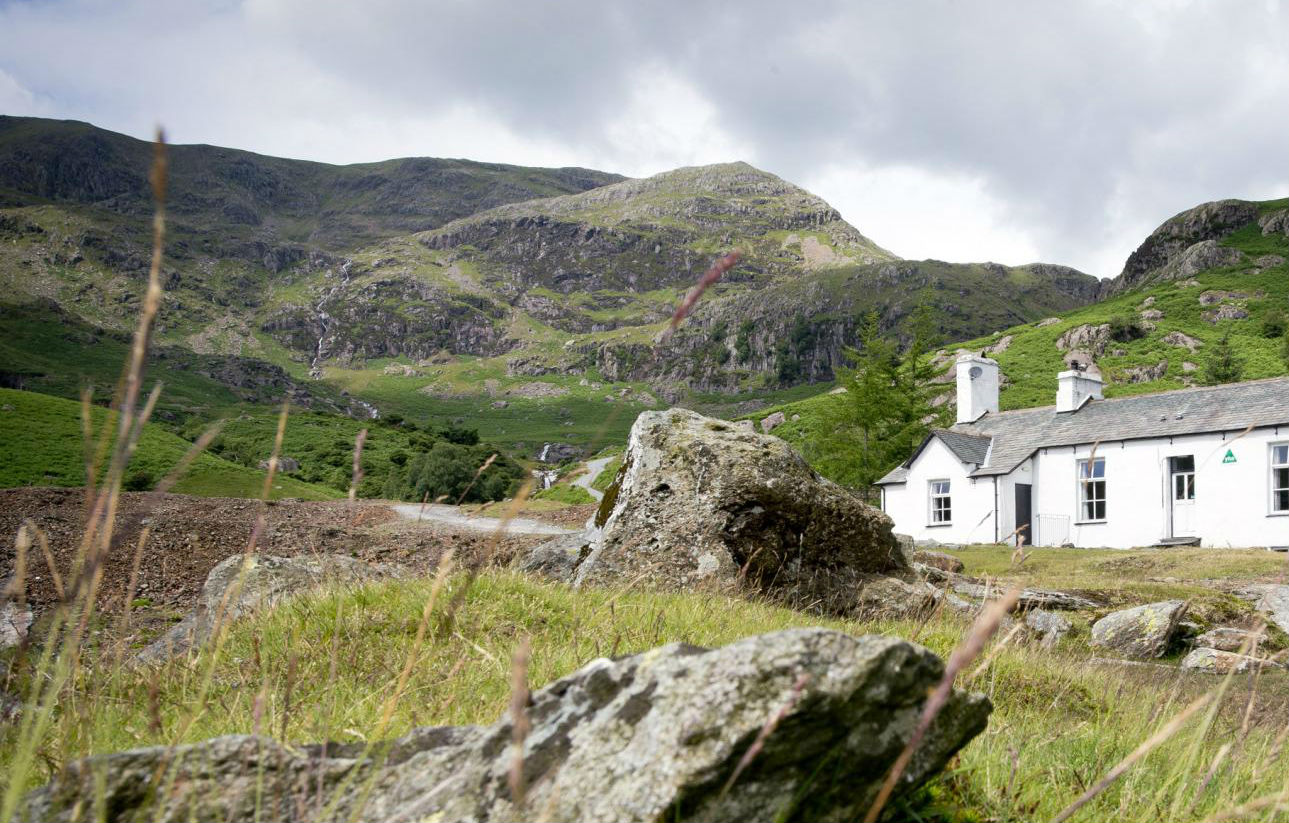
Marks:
<point>1183,472</point>
<point>941,507</point>
<point>1280,478</point>
<point>1092,489</point>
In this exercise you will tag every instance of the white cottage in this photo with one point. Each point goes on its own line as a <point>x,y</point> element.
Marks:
<point>1207,466</point>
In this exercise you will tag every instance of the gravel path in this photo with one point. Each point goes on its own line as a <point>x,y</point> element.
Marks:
<point>593,469</point>
<point>452,516</point>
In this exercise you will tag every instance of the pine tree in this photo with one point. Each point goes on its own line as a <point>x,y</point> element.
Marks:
<point>1223,366</point>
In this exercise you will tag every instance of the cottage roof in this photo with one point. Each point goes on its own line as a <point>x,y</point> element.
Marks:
<point>1015,435</point>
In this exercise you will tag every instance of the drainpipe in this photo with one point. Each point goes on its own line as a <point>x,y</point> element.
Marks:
<point>995,508</point>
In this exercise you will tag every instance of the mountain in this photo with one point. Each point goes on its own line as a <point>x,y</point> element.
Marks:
<point>519,300</point>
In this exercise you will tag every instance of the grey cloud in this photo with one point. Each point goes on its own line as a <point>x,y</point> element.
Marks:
<point>1091,120</point>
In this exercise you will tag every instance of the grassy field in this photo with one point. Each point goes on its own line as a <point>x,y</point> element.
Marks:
<point>1059,722</point>
<point>41,444</point>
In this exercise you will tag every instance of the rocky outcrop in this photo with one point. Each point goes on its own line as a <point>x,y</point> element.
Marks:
<point>665,735</point>
<point>244,583</point>
<point>1176,338</point>
<point>1141,374</point>
<point>1272,599</point>
<point>1088,338</point>
<point>770,422</point>
<point>1227,311</point>
<point>700,502</point>
<point>1185,245</point>
<point>1142,632</point>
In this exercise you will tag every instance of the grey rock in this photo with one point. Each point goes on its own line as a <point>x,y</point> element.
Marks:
<point>15,620</point>
<point>771,422</point>
<point>1142,632</point>
<point>1179,339</point>
<point>1229,639</point>
<point>650,737</point>
<point>1268,261</point>
<point>1047,321</point>
<point>1049,626</point>
<point>1200,257</point>
<point>1141,374</point>
<point>556,559</point>
<point>554,453</point>
<point>939,560</point>
<point>244,583</point>
<point>1086,338</point>
<point>703,503</point>
<point>285,465</point>
<point>1216,661</point>
<point>1226,311</point>
<point>1029,598</point>
<point>1272,599</point>
<point>1276,222</point>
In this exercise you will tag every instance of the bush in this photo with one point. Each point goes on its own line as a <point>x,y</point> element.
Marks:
<point>1126,328</point>
<point>139,480</point>
<point>1274,324</point>
<point>448,471</point>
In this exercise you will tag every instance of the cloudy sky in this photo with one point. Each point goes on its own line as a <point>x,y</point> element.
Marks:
<point>1007,130</point>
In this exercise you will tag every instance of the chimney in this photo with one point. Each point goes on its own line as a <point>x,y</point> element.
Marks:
<point>1075,387</point>
<point>977,387</point>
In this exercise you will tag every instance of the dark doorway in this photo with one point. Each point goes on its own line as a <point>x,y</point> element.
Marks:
<point>1024,516</point>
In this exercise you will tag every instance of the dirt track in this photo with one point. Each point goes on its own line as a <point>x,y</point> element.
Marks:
<point>189,535</point>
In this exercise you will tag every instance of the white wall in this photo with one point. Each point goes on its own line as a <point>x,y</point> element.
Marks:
<point>1232,500</point>
<point>908,503</point>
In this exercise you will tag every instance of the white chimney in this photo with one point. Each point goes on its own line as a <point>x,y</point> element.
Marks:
<point>1074,388</point>
<point>977,387</point>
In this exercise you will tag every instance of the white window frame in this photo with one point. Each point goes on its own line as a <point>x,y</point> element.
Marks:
<point>1272,467</point>
<point>1081,486</point>
<point>933,496</point>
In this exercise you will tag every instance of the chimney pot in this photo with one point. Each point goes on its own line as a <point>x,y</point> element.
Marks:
<point>977,387</point>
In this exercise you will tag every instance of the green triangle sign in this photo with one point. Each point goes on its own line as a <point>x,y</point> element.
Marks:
<point>1230,457</point>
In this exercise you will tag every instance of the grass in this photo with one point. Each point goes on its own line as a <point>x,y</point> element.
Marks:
<point>41,444</point>
<point>565,493</point>
<point>1059,723</point>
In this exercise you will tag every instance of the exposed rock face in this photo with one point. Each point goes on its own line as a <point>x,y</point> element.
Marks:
<point>701,502</point>
<point>655,736</point>
<point>552,453</point>
<point>243,583</point>
<point>1275,222</point>
<point>1142,632</point>
<point>1214,661</point>
<point>1087,338</point>
<point>286,465</point>
<point>1226,311</point>
<point>1177,249</point>
<point>1141,374</point>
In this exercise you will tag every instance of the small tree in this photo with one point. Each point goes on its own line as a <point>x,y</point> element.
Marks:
<point>1284,351</point>
<point>1274,324</point>
<point>1223,366</point>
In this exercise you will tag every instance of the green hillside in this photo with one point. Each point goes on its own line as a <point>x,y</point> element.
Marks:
<point>41,445</point>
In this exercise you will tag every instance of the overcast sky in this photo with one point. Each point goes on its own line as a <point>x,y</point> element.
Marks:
<point>1006,130</point>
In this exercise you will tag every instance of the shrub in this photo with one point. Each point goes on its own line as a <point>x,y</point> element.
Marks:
<point>1126,328</point>
<point>1274,324</point>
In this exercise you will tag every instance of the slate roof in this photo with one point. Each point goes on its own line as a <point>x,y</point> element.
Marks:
<point>1018,434</point>
<point>970,448</point>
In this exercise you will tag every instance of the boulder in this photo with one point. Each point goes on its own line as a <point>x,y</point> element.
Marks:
<point>1142,632</point>
<point>771,422</point>
<point>555,453</point>
<point>1215,661</point>
<point>1049,626</point>
<point>704,503</point>
<point>889,598</point>
<point>664,735</point>
<point>243,583</point>
<point>1228,639</point>
<point>1086,338</point>
<point>938,560</point>
<point>1227,311</point>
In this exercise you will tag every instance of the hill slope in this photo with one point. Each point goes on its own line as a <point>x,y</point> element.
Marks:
<point>41,445</point>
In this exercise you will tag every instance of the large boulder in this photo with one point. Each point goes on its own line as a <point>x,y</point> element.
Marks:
<point>664,735</point>
<point>1141,632</point>
<point>246,582</point>
<point>703,503</point>
<point>1216,661</point>
<point>1230,639</point>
